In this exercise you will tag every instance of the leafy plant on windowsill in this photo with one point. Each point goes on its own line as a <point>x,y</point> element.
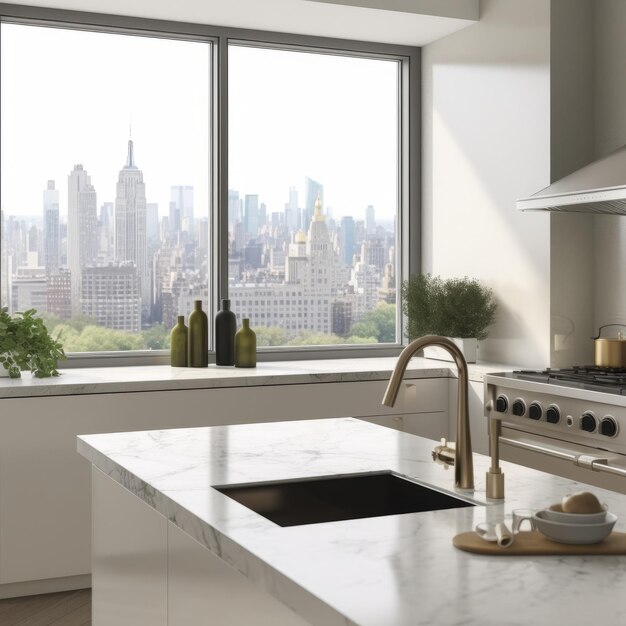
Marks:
<point>26,344</point>
<point>454,307</point>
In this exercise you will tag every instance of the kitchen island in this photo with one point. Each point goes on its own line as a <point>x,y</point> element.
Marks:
<point>388,570</point>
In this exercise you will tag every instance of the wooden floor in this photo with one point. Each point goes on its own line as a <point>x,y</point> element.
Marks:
<point>69,608</point>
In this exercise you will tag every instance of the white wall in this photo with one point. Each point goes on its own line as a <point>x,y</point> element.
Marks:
<point>571,147</point>
<point>609,87</point>
<point>486,142</point>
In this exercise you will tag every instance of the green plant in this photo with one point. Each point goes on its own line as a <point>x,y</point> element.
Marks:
<point>455,307</point>
<point>25,343</point>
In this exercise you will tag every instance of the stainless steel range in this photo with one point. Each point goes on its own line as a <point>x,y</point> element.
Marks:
<point>570,422</point>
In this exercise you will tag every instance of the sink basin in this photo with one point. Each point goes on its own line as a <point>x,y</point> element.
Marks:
<point>335,498</point>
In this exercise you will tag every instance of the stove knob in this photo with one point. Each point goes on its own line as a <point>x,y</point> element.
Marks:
<point>535,411</point>
<point>608,427</point>
<point>519,408</point>
<point>553,415</point>
<point>588,422</point>
<point>502,404</point>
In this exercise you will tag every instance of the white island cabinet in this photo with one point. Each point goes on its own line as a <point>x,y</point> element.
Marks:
<point>169,548</point>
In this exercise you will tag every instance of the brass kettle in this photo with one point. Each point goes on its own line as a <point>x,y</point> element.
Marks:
<point>610,351</point>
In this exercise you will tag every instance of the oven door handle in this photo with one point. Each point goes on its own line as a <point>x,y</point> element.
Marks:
<point>587,461</point>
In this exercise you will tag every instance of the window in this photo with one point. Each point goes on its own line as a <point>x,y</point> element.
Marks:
<point>105,196</point>
<point>119,207</point>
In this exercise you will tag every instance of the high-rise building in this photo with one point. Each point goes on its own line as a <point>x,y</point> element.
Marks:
<point>291,210</point>
<point>370,221</point>
<point>34,246</point>
<point>373,253</point>
<point>51,237</point>
<point>313,279</point>
<point>82,228</point>
<point>181,206</point>
<point>152,223</point>
<point>251,216</point>
<point>29,289</point>
<point>346,242</point>
<point>106,234</point>
<point>111,295</point>
<point>262,215</point>
<point>312,192</point>
<point>131,223</point>
<point>59,287</point>
<point>233,208</point>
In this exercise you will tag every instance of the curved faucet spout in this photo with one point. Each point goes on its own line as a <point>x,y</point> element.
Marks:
<point>463,463</point>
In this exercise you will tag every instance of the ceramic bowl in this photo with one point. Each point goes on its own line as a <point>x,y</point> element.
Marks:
<point>574,533</point>
<point>556,514</point>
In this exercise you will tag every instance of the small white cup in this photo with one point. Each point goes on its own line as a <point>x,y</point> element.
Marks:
<point>519,516</point>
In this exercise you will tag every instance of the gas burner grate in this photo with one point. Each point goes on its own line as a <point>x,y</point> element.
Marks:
<point>606,379</point>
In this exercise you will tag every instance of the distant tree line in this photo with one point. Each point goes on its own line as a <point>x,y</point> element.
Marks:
<point>82,334</point>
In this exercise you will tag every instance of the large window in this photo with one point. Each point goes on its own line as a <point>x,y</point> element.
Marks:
<point>119,201</point>
<point>105,187</point>
<point>313,145</point>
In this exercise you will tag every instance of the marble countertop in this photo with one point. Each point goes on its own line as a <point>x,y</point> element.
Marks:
<point>384,571</point>
<point>91,380</point>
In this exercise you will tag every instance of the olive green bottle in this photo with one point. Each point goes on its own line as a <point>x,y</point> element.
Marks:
<point>245,346</point>
<point>178,344</point>
<point>198,337</point>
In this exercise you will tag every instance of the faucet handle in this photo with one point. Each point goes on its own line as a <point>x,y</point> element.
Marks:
<point>444,452</point>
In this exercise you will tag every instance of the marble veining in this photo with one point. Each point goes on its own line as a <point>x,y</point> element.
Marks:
<point>90,380</point>
<point>384,571</point>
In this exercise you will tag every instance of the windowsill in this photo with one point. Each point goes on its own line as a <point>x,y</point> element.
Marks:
<point>94,380</point>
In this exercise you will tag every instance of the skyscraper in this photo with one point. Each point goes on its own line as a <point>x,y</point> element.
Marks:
<point>312,191</point>
<point>291,210</point>
<point>251,216</point>
<point>370,221</point>
<point>181,206</point>
<point>130,223</point>
<point>82,229</point>
<point>233,208</point>
<point>51,239</point>
<point>347,239</point>
<point>106,243</point>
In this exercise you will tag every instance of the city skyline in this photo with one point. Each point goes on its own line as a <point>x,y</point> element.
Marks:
<point>303,274</point>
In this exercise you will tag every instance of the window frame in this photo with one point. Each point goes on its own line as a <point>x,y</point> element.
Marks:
<point>408,232</point>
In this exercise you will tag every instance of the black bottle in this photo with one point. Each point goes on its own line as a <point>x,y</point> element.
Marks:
<point>225,329</point>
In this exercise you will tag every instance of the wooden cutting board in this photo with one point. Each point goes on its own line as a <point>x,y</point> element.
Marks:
<point>534,543</point>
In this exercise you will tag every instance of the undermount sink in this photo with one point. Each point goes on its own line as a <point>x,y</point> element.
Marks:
<point>335,498</point>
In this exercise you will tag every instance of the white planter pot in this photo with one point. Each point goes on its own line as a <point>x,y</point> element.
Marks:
<point>468,347</point>
<point>4,373</point>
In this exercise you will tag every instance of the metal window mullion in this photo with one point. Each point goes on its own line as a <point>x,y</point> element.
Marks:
<point>409,151</point>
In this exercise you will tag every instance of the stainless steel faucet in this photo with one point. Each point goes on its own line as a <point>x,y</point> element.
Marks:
<point>463,462</point>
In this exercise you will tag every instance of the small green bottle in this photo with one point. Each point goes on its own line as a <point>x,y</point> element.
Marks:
<point>198,337</point>
<point>178,344</point>
<point>245,346</point>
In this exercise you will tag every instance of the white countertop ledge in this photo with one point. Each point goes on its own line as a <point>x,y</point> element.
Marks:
<point>397,570</point>
<point>82,381</point>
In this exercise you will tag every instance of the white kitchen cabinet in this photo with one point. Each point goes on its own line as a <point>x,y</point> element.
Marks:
<point>148,572</point>
<point>203,590</point>
<point>129,558</point>
<point>45,505</point>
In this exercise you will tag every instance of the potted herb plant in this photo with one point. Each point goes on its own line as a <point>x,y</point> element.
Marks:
<point>459,308</point>
<point>26,344</point>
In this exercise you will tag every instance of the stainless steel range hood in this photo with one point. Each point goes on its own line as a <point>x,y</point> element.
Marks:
<point>599,187</point>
